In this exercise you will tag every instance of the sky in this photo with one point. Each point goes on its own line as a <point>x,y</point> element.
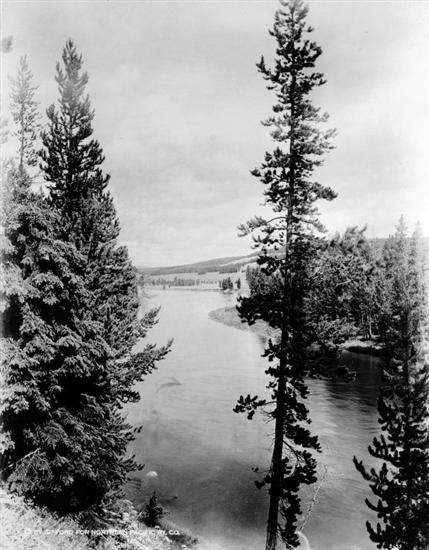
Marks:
<point>179,102</point>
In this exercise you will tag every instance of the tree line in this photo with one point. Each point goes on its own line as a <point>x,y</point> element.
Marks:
<point>177,281</point>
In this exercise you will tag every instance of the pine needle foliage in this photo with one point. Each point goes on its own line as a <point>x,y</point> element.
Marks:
<point>153,511</point>
<point>401,484</point>
<point>41,333</point>
<point>73,321</point>
<point>286,245</point>
<point>25,114</point>
<point>71,162</point>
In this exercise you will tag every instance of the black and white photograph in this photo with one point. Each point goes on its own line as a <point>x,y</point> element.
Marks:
<point>214,275</point>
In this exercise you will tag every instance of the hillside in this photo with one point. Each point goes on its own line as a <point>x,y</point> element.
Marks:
<point>229,264</point>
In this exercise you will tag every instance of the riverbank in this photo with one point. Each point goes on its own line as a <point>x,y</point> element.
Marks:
<point>25,525</point>
<point>366,347</point>
<point>194,288</point>
<point>229,317</point>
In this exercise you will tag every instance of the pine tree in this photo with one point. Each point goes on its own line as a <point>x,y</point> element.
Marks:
<point>42,446</point>
<point>78,191</point>
<point>25,114</point>
<point>286,247</point>
<point>47,441</point>
<point>5,47</point>
<point>73,458</point>
<point>341,303</point>
<point>401,485</point>
<point>153,511</point>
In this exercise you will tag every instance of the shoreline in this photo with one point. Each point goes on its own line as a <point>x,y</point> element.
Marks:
<point>228,316</point>
<point>195,288</point>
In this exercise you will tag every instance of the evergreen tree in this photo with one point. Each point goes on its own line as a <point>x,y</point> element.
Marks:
<point>5,47</point>
<point>43,442</point>
<point>227,284</point>
<point>402,483</point>
<point>47,438</point>
<point>73,457</point>
<point>341,302</point>
<point>25,114</point>
<point>153,511</point>
<point>78,191</point>
<point>286,247</point>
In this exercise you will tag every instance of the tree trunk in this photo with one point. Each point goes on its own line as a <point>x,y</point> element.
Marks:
<point>370,334</point>
<point>276,466</point>
<point>277,470</point>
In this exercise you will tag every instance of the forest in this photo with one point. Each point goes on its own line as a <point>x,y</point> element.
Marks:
<point>76,345</point>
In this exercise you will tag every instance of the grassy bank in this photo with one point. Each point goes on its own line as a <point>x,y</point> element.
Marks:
<point>229,316</point>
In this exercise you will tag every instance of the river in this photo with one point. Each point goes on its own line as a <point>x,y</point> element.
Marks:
<point>203,453</point>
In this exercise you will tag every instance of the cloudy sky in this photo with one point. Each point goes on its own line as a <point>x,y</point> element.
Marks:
<point>178,105</point>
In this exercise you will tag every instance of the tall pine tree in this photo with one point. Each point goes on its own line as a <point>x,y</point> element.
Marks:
<point>291,192</point>
<point>46,439</point>
<point>401,485</point>
<point>25,114</point>
<point>68,442</point>
<point>78,192</point>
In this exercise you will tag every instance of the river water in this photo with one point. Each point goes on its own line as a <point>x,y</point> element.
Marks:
<point>203,453</point>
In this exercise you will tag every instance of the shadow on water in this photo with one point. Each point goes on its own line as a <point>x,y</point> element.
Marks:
<point>203,453</point>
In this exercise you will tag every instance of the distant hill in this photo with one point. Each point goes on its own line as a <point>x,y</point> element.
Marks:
<point>229,264</point>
